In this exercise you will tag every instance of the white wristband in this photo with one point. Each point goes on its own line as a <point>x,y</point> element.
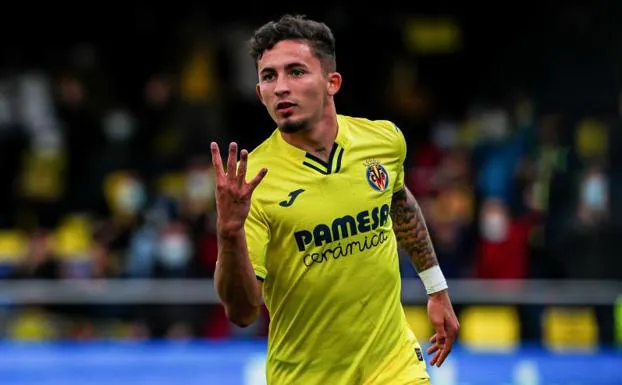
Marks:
<point>433,279</point>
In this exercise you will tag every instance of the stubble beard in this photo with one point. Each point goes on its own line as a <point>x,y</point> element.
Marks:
<point>292,127</point>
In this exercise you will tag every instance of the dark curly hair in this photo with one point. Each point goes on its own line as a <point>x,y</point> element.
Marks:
<point>296,27</point>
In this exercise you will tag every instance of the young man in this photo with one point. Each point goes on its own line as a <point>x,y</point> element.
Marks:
<point>319,233</point>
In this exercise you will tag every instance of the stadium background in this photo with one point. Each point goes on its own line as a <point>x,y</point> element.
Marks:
<point>107,247</point>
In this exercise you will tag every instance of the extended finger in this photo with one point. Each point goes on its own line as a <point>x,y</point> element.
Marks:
<point>433,346</point>
<point>448,342</point>
<point>442,356</point>
<point>444,352</point>
<point>435,358</point>
<point>216,159</point>
<point>438,349</point>
<point>433,339</point>
<point>242,168</point>
<point>432,349</point>
<point>257,179</point>
<point>233,157</point>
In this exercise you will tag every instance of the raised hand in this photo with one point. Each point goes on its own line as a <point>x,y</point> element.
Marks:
<point>233,193</point>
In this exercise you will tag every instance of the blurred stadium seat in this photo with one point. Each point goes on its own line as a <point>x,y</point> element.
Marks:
<point>490,328</point>
<point>570,328</point>
<point>72,238</point>
<point>13,248</point>
<point>30,324</point>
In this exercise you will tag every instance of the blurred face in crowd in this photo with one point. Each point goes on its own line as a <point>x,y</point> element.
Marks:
<point>39,249</point>
<point>294,86</point>
<point>158,91</point>
<point>494,221</point>
<point>594,196</point>
<point>71,91</point>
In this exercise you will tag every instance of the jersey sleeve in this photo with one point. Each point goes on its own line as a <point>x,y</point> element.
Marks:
<point>257,238</point>
<point>400,146</point>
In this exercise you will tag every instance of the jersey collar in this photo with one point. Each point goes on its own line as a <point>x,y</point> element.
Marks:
<point>334,164</point>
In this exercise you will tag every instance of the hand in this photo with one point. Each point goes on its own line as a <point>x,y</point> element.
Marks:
<point>445,322</point>
<point>233,194</point>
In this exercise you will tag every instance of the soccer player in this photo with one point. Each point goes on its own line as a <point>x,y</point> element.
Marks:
<point>318,233</point>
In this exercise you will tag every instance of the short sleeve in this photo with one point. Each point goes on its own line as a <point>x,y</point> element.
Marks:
<point>400,145</point>
<point>257,238</point>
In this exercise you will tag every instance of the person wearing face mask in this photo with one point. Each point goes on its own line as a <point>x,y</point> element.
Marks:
<point>593,197</point>
<point>588,244</point>
<point>173,256</point>
<point>494,224</point>
<point>174,251</point>
<point>503,244</point>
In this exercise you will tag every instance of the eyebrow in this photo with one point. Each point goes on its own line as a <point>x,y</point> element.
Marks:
<point>288,66</point>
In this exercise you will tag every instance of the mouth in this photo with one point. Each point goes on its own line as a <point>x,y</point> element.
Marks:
<point>284,106</point>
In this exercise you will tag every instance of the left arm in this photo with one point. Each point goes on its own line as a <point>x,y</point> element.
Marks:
<point>412,235</point>
<point>411,230</point>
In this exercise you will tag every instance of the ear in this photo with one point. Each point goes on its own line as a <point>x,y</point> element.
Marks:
<point>334,83</point>
<point>258,91</point>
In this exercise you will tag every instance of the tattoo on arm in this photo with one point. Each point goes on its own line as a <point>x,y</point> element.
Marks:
<point>411,230</point>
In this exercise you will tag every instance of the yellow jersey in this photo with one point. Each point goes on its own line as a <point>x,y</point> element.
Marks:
<point>320,237</point>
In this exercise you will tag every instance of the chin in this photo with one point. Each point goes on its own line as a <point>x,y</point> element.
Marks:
<point>292,125</point>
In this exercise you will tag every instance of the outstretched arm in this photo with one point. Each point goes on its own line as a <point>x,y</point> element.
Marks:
<point>413,237</point>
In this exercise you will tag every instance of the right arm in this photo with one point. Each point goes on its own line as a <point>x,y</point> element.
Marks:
<point>235,280</point>
<point>236,283</point>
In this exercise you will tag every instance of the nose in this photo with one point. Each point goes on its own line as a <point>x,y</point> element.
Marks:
<point>281,87</point>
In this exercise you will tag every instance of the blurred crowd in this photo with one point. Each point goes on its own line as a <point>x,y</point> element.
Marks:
<point>106,174</point>
<point>510,194</point>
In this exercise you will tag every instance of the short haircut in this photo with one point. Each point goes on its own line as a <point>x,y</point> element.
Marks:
<point>296,27</point>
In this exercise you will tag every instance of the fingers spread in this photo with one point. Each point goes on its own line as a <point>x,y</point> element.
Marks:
<point>441,349</point>
<point>242,168</point>
<point>435,358</point>
<point>432,349</point>
<point>257,179</point>
<point>233,157</point>
<point>441,358</point>
<point>216,159</point>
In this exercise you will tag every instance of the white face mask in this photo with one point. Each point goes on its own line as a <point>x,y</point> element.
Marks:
<point>119,126</point>
<point>174,250</point>
<point>594,192</point>
<point>494,227</point>
<point>494,125</point>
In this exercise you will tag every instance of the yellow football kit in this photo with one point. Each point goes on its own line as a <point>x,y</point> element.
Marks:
<point>320,237</point>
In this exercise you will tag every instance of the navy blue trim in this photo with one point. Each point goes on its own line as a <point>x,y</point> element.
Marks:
<point>339,161</point>
<point>328,166</point>
<point>315,168</point>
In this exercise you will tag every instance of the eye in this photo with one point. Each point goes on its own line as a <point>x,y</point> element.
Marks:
<point>267,77</point>
<point>297,72</point>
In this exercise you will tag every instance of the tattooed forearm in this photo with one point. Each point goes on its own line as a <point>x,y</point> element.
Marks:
<point>411,230</point>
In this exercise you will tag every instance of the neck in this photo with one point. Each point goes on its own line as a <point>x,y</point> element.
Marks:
<point>319,137</point>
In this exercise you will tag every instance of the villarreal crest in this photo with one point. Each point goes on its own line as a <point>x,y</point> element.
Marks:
<point>377,176</point>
